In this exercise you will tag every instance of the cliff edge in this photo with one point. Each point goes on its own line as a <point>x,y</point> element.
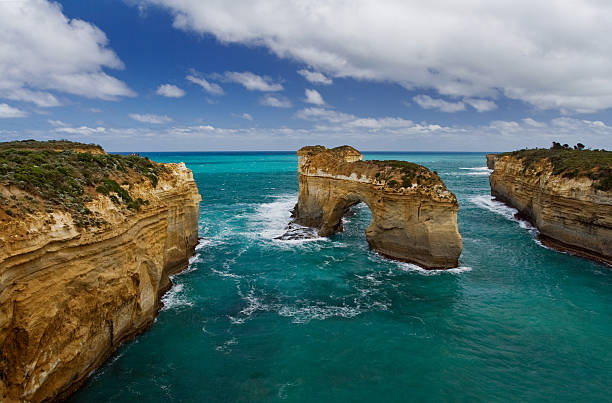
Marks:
<point>414,215</point>
<point>565,193</point>
<point>87,244</point>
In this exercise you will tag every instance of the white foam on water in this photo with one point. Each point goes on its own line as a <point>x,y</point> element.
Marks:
<point>317,312</point>
<point>202,243</point>
<point>175,298</point>
<point>489,203</point>
<point>477,171</point>
<point>413,268</point>
<point>272,218</point>
<point>226,346</point>
<point>225,274</point>
<point>271,221</point>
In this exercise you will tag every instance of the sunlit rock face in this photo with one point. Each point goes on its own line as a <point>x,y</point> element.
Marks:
<point>570,213</point>
<point>69,296</point>
<point>414,215</point>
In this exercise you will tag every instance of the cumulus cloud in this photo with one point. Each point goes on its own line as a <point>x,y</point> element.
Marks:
<point>313,97</point>
<point>42,50</point>
<point>170,91</point>
<point>7,111</point>
<point>149,118</point>
<point>277,101</point>
<point>481,105</point>
<point>253,82</point>
<point>315,77</point>
<point>427,102</point>
<point>211,88</point>
<point>246,116</point>
<point>549,53</point>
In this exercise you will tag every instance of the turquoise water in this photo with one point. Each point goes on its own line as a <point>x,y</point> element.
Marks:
<point>254,319</point>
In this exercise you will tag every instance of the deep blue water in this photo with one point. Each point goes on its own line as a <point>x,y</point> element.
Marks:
<point>259,320</point>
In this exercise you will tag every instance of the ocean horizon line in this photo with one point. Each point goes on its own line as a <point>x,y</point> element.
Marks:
<point>294,151</point>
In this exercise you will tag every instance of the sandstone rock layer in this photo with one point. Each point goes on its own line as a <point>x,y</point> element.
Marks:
<point>69,295</point>
<point>414,216</point>
<point>570,213</point>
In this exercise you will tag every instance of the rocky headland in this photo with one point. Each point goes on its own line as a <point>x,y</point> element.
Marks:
<point>565,193</point>
<point>88,241</point>
<point>414,215</point>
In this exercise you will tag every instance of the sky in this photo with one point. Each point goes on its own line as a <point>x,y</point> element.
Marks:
<point>218,75</point>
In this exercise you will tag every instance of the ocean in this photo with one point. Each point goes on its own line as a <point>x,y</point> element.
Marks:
<point>255,319</point>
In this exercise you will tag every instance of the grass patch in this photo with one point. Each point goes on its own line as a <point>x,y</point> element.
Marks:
<point>572,163</point>
<point>66,180</point>
<point>409,173</point>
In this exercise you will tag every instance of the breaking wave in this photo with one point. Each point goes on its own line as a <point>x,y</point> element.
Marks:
<point>488,202</point>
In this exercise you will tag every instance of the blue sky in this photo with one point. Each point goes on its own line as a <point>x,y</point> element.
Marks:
<point>187,75</point>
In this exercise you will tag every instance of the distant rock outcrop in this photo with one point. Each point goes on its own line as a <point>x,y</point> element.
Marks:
<point>414,215</point>
<point>564,193</point>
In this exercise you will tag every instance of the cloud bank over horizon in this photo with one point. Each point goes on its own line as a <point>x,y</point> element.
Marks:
<point>271,74</point>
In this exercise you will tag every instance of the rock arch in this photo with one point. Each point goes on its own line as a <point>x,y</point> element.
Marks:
<point>414,216</point>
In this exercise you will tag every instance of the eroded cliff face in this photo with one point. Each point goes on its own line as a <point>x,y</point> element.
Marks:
<point>70,295</point>
<point>414,216</point>
<point>570,213</point>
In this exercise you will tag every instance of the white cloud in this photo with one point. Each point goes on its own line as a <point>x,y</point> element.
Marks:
<point>211,88</point>
<point>481,105</point>
<point>7,111</point>
<point>253,82</point>
<point>315,77</point>
<point>347,122</point>
<point>170,91</point>
<point>313,97</point>
<point>533,123</point>
<point>277,101</point>
<point>427,102</point>
<point>549,53</point>
<point>149,118</point>
<point>82,130</point>
<point>40,98</point>
<point>246,116</point>
<point>57,123</point>
<point>42,50</point>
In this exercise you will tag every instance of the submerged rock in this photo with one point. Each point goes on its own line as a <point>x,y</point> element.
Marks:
<point>414,215</point>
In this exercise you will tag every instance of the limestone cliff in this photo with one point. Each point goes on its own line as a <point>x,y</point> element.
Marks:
<point>71,292</point>
<point>570,212</point>
<point>414,216</point>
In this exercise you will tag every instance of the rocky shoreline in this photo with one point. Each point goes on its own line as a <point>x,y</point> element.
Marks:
<point>75,285</point>
<point>570,213</point>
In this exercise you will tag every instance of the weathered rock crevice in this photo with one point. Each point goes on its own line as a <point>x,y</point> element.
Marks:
<point>69,296</point>
<point>570,213</point>
<point>414,216</point>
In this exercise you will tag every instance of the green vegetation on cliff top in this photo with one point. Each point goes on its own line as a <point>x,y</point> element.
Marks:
<point>50,145</point>
<point>570,163</point>
<point>410,173</point>
<point>66,180</point>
